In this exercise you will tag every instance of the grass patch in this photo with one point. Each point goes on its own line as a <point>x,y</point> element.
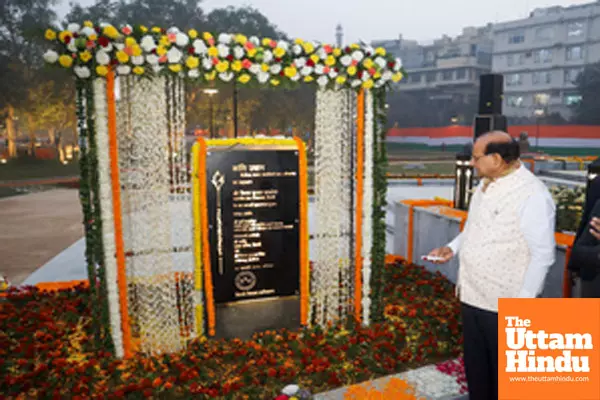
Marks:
<point>29,168</point>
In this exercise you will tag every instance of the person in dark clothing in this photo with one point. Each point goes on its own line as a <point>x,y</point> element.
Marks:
<point>585,255</point>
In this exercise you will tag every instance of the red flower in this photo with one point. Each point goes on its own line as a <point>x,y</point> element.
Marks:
<point>103,41</point>
<point>282,397</point>
<point>272,372</point>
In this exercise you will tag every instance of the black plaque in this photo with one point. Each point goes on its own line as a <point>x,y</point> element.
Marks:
<point>253,216</point>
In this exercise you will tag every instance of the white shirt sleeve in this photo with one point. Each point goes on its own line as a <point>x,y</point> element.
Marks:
<point>537,225</point>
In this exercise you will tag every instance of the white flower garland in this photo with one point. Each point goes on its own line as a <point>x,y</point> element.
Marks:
<point>367,208</point>
<point>106,205</point>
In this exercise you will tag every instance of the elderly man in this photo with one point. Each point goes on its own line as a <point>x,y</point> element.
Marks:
<point>505,251</point>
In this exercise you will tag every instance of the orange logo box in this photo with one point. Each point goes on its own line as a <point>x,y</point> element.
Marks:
<point>549,349</point>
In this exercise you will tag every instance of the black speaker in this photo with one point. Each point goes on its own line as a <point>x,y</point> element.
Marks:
<point>487,123</point>
<point>491,88</point>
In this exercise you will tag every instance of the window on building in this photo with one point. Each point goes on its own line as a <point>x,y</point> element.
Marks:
<point>541,99</point>
<point>514,101</point>
<point>514,80</point>
<point>461,73</point>
<point>542,56</point>
<point>510,60</point>
<point>574,53</point>
<point>516,37</point>
<point>520,59</point>
<point>447,75</point>
<point>415,78</point>
<point>575,29</point>
<point>544,33</point>
<point>541,77</point>
<point>431,77</point>
<point>572,99</point>
<point>572,74</point>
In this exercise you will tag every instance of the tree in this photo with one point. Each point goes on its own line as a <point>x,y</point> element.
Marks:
<point>587,111</point>
<point>245,20</point>
<point>22,23</point>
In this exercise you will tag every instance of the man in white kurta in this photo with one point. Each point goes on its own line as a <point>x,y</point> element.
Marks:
<point>505,251</point>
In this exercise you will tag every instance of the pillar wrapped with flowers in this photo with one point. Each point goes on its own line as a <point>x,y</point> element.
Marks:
<point>145,270</point>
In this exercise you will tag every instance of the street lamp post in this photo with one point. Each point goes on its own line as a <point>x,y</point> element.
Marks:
<point>539,113</point>
<point>211,92</point>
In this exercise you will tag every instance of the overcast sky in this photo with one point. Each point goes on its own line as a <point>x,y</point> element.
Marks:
<point>422,20</point>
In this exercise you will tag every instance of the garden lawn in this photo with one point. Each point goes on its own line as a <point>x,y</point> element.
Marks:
<point>46,349</point>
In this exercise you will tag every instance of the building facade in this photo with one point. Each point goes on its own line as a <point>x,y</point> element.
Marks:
<point>542,56</point>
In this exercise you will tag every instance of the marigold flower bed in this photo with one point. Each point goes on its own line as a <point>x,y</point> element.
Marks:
<point>46,349</point>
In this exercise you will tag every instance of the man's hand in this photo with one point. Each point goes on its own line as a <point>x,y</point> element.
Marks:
<point>445,253</point>
<point>595,229</point>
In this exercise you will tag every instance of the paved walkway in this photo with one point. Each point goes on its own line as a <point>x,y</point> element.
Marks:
<point>36,227</point>
<point>427,382</point>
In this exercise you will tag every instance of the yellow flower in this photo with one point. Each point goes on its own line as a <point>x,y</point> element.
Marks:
<point>279,52</point>
<point>380,51</point>
<point>85,56</point>
<point>65,61</point>
<point>368,84</point>
<point>222,66</point>
<point>143,29</point>
<point>122,56</point>
<point>50,34</point>
<point>352,70</point>
<point>337,52</point>
<point>330,61</point>
<point>308,78</point>
<point>397,77</point>
<point>241,39</point>
<point>156,29</point>
<point>290,71</point>
<point>275,82</point>
<point>264,67</point>
<point>138,70</point>
<point>368,63</point>
<point>193,34</point>
<point>315,58</point>
<point>308,48</point>
<point>88,24</point>
<point>340,80</point>
<point>175,67</point>
<point>164,40</point>
<point>354,46</point>
<point>245,78</point>
<point>111,32</point>
<point>210,76</point>
<point>136,50</point>
<point>93,37</point>
<point>129,42</point>
<point>299,41</point>
<point>377,75</point>
<point>266,42</point>
<point>102,70</point>
<point>212,51</point>
<point>63,35</point>
<point>236,66</point>
<point>161,50</point>
<point>252,52</point>
<point>207,36</point>
<point>192,62</point>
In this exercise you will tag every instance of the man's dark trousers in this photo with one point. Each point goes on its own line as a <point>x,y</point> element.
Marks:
<point>480,332</point>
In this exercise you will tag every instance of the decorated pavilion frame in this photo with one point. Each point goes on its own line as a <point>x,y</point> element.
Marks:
<point>142,249</point>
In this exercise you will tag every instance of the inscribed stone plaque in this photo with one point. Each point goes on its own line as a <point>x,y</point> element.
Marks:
<point>253,217</point>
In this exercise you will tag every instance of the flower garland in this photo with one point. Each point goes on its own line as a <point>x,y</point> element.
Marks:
<point>379,203</point>
<point>90,50</point>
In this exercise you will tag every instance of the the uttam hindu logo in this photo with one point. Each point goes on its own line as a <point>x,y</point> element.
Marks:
<point>523,343</point>
<point>549,349</point>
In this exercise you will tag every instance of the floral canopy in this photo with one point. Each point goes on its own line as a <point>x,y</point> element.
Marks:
<point>90,50</point>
